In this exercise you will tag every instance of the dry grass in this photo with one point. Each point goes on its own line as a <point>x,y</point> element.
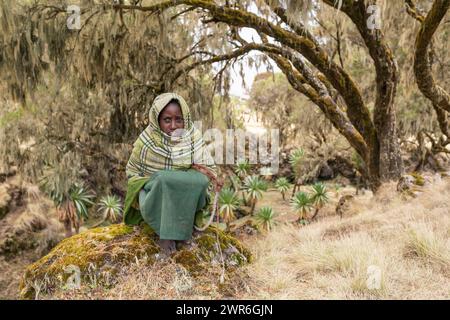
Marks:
<point>430,246</point>
<point>27,232</point>
<point>403,243</point>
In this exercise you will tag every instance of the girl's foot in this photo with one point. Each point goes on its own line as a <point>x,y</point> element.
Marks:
<point>167,246</point>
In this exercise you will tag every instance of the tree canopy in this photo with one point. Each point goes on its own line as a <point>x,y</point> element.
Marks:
<point>337,54</point>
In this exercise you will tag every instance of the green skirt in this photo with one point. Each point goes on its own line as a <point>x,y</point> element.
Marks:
<point>169,201</point>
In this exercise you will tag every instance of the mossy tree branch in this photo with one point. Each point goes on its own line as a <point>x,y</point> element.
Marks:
<point>422,65</point>
<point>439,98</point>
<point>301,77</point>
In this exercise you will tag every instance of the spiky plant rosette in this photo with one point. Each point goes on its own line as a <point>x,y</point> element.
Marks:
<point>110,207</point>
<point>302,204</point>
<point>265,218</point>
<point>228,203</point>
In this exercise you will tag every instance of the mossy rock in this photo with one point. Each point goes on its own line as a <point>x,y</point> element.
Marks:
<point>410,184</point>
<point>99,253</point>
<point>419,180</point>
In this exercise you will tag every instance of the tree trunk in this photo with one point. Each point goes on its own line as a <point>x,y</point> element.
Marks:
<point>385,162</point>
<point>252,210</point>
<point>68,228</point>
<point>315,214</point>
<point>294,189</point>
<point>390,163</point>
<point>244,198</point>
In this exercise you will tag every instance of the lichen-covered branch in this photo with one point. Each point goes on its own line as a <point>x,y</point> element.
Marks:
<point>304,81</point>
<point>422,65</point>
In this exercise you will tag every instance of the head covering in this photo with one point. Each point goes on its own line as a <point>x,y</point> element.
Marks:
<point>155,150</point>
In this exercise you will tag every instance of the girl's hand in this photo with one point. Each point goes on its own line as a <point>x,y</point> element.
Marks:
<point>217,182</point>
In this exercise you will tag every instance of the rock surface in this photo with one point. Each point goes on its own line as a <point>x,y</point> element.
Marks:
<point>99,253</point>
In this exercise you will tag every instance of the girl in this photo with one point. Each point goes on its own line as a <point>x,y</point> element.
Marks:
<point>165,188</point>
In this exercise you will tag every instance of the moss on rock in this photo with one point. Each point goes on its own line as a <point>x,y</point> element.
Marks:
<point>419,180</point>
<point>99,253</point>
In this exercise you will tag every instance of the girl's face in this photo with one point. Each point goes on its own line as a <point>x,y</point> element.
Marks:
<point>171,118</point>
